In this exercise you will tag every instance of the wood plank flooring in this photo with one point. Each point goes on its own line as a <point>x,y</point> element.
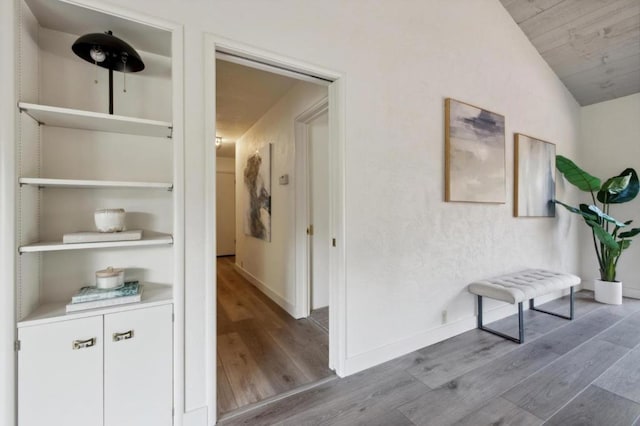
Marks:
<point>581,372</point>
<point>262,351</point>
<point>321,317</point>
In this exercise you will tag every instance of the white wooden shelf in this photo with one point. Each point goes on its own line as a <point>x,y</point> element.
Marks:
<point>89,120</point>
<point>94,184</point>
<point>152,295</point>
<point>155,240</point>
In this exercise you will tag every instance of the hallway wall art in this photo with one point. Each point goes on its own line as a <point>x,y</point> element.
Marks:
<point>257,194</point>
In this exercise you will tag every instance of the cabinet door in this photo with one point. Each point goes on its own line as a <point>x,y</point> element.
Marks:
<point>138,367</point>
<point>60,373</point>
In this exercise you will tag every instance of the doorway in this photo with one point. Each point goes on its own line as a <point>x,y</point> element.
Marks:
<point>319,218</point>
<point>225,206</point>
<point>264,346</point>
<point>337,294</point>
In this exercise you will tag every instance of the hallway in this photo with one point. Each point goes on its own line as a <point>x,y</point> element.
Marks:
<point>261,351</point>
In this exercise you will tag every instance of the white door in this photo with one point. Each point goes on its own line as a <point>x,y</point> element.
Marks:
<point>225,214</point>
<point>138,373</point>
<point>60,373</point>
<point>319,209</point>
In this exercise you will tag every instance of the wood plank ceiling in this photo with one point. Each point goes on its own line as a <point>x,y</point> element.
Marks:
<point>592,45</point>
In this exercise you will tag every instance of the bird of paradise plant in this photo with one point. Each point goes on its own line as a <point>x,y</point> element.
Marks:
<point>610,236</point>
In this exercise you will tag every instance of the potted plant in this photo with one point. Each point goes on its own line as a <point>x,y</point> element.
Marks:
<point>610,236</point>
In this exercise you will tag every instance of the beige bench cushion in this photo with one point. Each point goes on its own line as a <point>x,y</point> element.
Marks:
<point>523,285</point>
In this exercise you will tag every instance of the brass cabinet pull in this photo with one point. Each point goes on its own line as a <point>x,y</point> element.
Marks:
<point>81,344</point>
<point>123,336</point>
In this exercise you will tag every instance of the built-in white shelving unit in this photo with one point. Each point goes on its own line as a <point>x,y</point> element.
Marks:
<point>94,184</point>
<point>89,120</point>
<point>71,159</point>
<point>152,295</point>
<point>155,240</point>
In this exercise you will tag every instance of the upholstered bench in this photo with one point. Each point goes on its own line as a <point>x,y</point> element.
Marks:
<point>521,286</point>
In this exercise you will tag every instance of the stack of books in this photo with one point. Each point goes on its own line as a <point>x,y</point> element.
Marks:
<point>93,297</point>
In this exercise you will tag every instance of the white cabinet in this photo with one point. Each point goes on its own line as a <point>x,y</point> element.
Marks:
<point>109,370</point>
<point>138,367</point>
<point>60,371</point>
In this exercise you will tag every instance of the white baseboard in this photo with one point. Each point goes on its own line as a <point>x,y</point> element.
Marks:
<point>407,345</point>
<point>284,304</point>
<point>631,292</point>
<point>195,418</point>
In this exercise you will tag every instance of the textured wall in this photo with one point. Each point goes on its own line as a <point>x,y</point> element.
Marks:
<point>610,142</point>
<point>409,254</point>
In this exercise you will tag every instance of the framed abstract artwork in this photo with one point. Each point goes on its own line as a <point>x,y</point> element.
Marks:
<point>535,177</point>
<point>474,154</point>
<point>257,194</point>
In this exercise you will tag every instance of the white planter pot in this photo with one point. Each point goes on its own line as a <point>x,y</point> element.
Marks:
<point>608,292</point>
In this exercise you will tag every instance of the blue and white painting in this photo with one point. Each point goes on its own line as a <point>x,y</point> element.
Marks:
<point>257,194</point>
<point>535,178</point>
<point>475,154</point>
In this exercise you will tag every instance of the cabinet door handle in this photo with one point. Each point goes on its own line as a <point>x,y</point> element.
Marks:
<point>123,336</point>
<point>81,344</point>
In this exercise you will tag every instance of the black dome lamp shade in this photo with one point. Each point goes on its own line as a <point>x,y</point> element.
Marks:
<point>108,51</point>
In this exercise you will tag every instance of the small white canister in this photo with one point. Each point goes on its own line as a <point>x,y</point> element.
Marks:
<point>110,278</point>
<point>109,220</point>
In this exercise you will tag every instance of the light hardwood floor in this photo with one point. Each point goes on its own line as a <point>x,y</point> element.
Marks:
<point>581,372</point>
<point>262,350</point>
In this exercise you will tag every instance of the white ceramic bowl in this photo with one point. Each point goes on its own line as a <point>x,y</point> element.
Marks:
<point>109,220</point>
<point>110,278</point>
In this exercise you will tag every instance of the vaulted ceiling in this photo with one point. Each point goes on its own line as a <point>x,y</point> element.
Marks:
<point>592,45</point>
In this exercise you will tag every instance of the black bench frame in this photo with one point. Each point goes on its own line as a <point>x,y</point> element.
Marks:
<point>520,338</point>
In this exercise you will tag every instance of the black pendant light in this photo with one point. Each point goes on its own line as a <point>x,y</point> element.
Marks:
<point>108,51</point>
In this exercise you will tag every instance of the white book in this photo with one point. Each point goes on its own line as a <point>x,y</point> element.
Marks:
<point>74,307</point>
<point>99,237</point>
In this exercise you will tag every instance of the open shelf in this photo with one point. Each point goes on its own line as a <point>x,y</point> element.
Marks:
<point>152,295</point>
<point>89,120</point>
<point>76,183</point>
<point>155,240</point>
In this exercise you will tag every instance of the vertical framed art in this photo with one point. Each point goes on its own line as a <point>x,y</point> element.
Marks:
<point>535,177</point>
<point>474,154</point>
<point>257,194</point>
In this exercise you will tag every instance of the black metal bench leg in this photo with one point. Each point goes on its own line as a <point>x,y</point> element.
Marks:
<point>571,307</point>
<point>520,338</point>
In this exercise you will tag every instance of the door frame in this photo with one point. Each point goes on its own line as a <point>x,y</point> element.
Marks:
<point>303,213</point>
<point>337,261</point>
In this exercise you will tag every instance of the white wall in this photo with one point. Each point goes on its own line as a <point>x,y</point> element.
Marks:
<point>272,264</point>
<point>609,143</point>
<point>8,110</point>
<point>409,254</point>
<point>225,165</point>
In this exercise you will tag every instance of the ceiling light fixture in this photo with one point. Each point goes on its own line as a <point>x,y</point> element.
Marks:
<point>108,51</point>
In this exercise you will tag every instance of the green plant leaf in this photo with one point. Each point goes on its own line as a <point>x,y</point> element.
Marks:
<point>623,245</point>
<point>582,211</point>
<point>568,207</point>
<point>604,237</point>
<point>627,194</point>
<point>630,234</point>
<point>576,176</point>
<point>616,185</point>
<point>605,216</point>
